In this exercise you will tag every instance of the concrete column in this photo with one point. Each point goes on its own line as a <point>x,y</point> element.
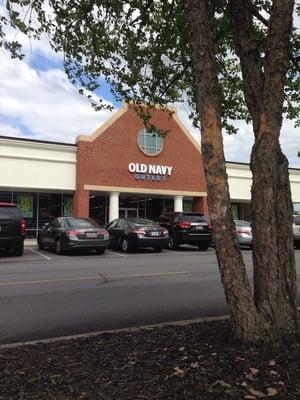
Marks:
<point>113,206</point>
<point>178,203</point>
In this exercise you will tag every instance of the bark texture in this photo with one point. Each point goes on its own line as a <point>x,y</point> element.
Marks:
<point>264,80</point>
<point>245,320</point>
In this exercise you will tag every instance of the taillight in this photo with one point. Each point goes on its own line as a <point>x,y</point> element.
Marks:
<point>165,232</point>
<point>72,233</point>
<point>104,233</point>
<point>184,224</point>
<point>139,231</point>
<point>241,230</point>
<point>22,226</point>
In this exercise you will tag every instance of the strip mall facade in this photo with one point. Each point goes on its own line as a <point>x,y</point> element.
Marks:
<point>120,170</point>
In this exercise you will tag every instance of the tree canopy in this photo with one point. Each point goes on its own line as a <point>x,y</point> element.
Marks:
<point>142,48</point>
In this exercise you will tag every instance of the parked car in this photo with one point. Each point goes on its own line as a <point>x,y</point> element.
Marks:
<point>130,233</point>
<point>296,230</point>
<point>12,228</point>
<point>187,228</point>
<point>68,233</point>
<point>244,232</point>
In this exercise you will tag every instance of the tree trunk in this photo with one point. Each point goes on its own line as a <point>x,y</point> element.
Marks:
<point>244,317</point>
<point>273,257</point>
<point>264,79</point>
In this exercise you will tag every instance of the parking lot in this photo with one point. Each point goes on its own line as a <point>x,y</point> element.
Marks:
<point>33,254</point>
<point>46,295</point>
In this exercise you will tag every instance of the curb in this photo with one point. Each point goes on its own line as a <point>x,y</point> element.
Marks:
<point>32,243</point>
<point>132,329</point>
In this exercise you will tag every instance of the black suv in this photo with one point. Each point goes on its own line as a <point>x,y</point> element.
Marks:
<point>12,229</point>
<point>187,228</point>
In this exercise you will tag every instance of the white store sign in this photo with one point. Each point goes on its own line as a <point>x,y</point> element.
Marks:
<point>150,172</point>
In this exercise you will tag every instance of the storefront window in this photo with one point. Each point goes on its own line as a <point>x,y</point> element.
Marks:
<point>50,207</point>
<point>241,211</point>
<point>98,209</point>
<point>129,202</point>
<point>27,202</point>
<point>68,206</point>
<point>168,205</point>
<point>150,142</point>
<point>187,205</point>
<point>39,208</point>
<point>6,197</point>
<point>235,211</point>
<point>154,208</point>
<point>296,208</point>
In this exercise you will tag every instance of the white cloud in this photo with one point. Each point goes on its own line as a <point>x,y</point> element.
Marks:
<point>238,147</point>
<point>8,130</point>
<point>45,102</point>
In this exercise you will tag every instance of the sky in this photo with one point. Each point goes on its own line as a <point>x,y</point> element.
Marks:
<point>38,102</point>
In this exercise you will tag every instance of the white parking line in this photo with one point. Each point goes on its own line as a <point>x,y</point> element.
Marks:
<point>86,278</point>
<point>40,254</point>
<point>115,252</point>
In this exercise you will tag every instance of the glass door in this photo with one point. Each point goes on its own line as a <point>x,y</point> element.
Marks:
<point>128,213</point>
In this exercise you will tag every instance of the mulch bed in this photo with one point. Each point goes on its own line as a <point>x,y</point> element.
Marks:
<point>196,361</point>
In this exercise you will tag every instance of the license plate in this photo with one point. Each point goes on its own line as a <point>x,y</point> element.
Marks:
<point>199,228</point>
<point>91,234</point>
<point>154,233</point>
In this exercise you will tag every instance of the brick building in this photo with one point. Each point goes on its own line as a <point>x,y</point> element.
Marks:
<point>124,169</point>
<point>120,170</point>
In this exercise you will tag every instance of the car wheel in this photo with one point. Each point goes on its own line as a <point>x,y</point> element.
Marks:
<point>100,251</point>
<point>58,247</point>
<point>18,251</point>
<point>125,246</point>
<point>172,243</point>
<point>203,247</point>
<point>157,248</point>
<point>297,245</point>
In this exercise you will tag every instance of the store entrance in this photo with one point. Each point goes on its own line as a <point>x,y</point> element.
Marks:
<point>128,213</point>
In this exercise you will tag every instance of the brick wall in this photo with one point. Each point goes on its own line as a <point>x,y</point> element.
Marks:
<point>105,160</point>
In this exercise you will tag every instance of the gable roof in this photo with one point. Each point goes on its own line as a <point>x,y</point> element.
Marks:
<point>122,111</point>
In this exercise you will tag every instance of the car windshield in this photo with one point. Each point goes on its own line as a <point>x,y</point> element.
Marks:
<point>193,217</point>
<point>142,222</point>
<point>79,223</point>
<point>241,223</point>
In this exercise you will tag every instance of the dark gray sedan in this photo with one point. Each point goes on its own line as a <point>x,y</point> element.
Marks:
<point>68,233</point>
<point>130,233</point>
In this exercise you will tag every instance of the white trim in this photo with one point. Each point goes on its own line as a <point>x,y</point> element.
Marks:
<point>120,189</point>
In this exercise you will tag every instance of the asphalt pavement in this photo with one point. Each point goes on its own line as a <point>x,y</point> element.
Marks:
<point>44,295</point>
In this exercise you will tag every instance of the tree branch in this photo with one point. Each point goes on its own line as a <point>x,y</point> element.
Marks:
<point>241,12</point>
<point>295,60</point>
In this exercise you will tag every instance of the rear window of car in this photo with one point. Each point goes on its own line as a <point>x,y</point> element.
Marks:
<point>81,223</point>
<point>9,212</point>
<point>142,222</point>
<point>192,217</point>
<point>242,223</point>
<point>297,220</point>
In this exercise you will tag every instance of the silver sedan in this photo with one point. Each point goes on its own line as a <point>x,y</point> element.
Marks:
<point>244,232</point>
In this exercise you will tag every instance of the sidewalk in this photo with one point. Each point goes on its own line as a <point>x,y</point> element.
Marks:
<point>30,243</point>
